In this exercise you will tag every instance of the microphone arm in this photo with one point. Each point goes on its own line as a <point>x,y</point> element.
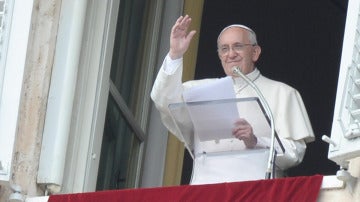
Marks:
<point>270,165</point>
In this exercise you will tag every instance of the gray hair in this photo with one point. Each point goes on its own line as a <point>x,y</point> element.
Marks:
<point>252,35</point>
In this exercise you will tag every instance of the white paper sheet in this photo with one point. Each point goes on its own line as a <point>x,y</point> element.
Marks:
<point>222,88</point>
<point>213,121</point>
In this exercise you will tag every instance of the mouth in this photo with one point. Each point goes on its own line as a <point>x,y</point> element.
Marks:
<point>233,62</point>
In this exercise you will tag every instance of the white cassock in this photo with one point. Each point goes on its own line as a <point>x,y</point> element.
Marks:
<point>290,117</point>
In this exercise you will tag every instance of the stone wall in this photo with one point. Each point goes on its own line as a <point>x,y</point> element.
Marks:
<point>37,75</point>
<point>348,193</point>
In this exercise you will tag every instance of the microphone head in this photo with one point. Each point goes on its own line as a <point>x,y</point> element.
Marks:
<point>236,71</point>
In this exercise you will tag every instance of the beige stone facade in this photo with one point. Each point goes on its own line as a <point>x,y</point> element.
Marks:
<point>40,55</point>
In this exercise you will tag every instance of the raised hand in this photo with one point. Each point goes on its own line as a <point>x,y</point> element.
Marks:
<point>243,131</point>
<point>180,38</point>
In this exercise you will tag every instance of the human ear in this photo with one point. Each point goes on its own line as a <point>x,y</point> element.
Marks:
<point>256,53</point>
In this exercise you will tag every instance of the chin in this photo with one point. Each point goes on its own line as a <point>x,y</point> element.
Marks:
<point>229,70</point>
<point>228,73</point>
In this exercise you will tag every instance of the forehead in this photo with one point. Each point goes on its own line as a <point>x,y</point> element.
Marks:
<point>234,35</point>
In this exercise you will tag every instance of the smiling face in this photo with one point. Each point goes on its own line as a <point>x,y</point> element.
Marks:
<point>235,48</point>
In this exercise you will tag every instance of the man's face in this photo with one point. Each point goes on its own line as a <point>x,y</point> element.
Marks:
<point>236,49</point>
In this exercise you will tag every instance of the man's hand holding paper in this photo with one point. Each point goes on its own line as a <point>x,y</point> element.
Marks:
<point>244,131</point>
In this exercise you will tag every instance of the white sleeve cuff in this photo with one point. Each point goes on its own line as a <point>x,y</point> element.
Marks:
<point>170,65</point>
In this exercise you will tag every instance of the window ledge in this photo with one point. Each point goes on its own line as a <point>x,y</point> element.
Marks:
<point>38,199</point>
<point>331,182</point>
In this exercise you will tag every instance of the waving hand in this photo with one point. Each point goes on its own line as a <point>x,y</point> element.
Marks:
<point>180,38</point>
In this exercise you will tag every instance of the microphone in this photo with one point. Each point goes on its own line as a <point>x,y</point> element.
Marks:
<point>270,166</point>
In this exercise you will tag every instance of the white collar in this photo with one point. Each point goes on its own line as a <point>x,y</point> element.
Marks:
<point>252,76</point>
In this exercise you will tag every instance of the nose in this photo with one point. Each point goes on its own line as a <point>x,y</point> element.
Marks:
<point>232,52</point>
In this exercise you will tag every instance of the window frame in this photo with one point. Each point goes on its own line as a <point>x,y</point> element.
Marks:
<point>11,85</point>
<point>92,89</point>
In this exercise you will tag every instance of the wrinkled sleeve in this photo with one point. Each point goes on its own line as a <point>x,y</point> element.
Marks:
<point>294,153</point>
<point>168,89</point>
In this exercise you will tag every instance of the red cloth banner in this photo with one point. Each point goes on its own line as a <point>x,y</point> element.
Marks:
<point>291,189</point>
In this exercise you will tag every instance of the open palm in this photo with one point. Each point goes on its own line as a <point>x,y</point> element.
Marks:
<point>180,38</point>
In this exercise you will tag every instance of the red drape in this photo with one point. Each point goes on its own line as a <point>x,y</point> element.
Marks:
<point>292,189</point>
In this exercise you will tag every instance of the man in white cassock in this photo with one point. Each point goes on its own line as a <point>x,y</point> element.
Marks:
<point>237,46</point>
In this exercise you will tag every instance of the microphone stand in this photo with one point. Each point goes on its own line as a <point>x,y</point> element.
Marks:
<point>270,166</point>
